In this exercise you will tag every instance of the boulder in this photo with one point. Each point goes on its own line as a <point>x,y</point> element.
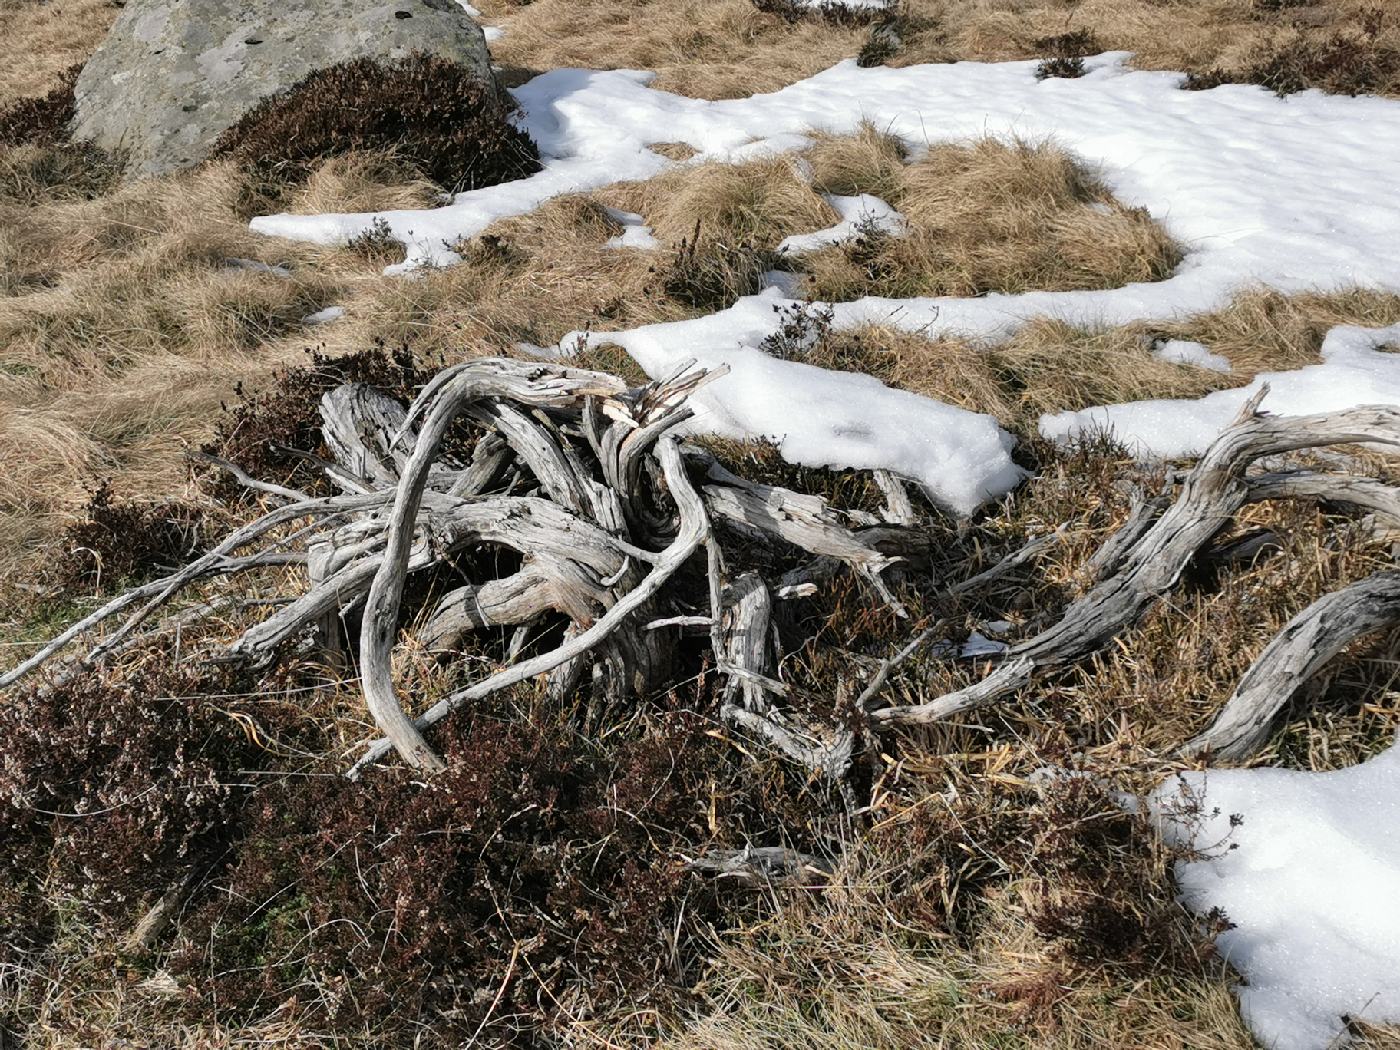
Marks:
<point>173,74</point>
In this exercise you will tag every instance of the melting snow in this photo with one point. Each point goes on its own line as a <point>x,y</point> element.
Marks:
<point>635,233</point>
<point>1185,352</point>
<point>1313,888</point>
<point>1354,371</point>
<point>819,417</point>
<point>330,313</point>
<point>1292,193</point>
<point>863,211</point>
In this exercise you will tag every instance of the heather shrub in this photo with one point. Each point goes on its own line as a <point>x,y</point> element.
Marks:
<point>113,785</point>
<point>832,13</point>
<point>710,274</point>
<point>431,112</point>
<point>260,431</point>
<point>41,119</point>
<point>537,881</point>
<point>121,540</point>
<point>1345,63</point>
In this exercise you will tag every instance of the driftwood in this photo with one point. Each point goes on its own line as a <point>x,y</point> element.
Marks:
<point>584,490</point>
<point>762,864</point>
<point>1161,538</point>
<point>1297,653</point>
<point>600,506</point>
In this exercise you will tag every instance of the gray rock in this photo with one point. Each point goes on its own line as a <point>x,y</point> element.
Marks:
<point>173,74</point>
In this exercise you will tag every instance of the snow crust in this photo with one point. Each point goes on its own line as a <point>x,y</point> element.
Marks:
<point>1313,888</point>
<point>1185,352</point>
<point>819,417</point>
<point>1354,371</point>
<point>856,212</point>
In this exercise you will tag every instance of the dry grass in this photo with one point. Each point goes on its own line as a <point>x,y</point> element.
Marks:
<point>991,216</point>
<point>45,37</point>
<point>728,49</point>
<point>123,327</point>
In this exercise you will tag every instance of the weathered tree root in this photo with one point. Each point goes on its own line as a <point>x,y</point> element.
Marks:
<point>1297,653</point>
<point>585,481</point>
<point>1147,557</point>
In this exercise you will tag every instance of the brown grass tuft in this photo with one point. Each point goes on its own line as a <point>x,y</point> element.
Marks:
<point>988,217</point>
<point>727,49</point>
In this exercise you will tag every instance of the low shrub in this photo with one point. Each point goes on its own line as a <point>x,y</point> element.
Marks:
<point>711,274</point>
<point>431,112</point>
<point>112,786</point>
<point>832,12</point>
<point>1345,63</point>
<point>259,432</point>
<point>535,879</point>
<point>1065,54</point>
<point>119,540</point>
<point>41,119</point>
<point>885,41</point>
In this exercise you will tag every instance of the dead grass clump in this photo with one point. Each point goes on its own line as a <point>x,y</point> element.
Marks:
<point>430,112</point>
<point>830,11</point>
<point>47,40</point>
<point>710,275</point>
<point>997,217</point>
<point>43,119</point>
<point>868,161</point>
<point>674,150</point>
<point>1356,62</point>
<point>363,181</point>
<point>35,174</point>
<point>757,202</point>
<point>129,317</point>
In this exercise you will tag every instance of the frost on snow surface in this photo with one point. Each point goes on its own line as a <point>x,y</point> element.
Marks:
<point>818,417</point>
<point>861,212</point>
<point>1312,887</point>
<point>1355,370</point>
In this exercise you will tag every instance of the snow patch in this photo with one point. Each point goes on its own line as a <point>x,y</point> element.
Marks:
<point>1185,352</point>
<point>863,211</point>
<point>635,233</point>
<point>818,417</point>
<point>1354,371</point>
<point>1290,193</point>
<point>330,313</point>
<point>1312,886</point>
